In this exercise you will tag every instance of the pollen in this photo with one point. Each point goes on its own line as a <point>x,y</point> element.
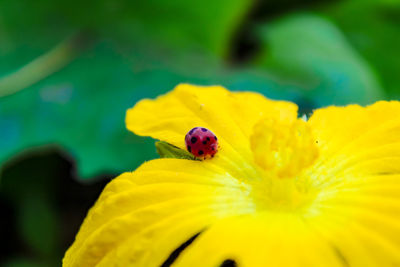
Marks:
<point>283,148</point>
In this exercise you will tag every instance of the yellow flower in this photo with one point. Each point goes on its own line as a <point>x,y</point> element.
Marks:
<point>281,191</point>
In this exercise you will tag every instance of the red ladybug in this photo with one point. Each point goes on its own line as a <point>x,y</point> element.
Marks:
<point>201,142</point>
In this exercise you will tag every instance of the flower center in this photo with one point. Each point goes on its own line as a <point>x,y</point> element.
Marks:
<point>282,149</point>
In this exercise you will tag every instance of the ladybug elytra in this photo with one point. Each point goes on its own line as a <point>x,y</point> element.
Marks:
<point>201,142</point>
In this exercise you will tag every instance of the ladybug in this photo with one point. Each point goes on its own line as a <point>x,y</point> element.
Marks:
<point>201,142</point>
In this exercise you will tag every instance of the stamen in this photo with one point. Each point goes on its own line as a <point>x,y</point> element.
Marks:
<point>283,148</point>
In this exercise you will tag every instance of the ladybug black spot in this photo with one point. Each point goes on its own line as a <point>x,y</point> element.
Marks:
<point>189,149</point>
<point>204,142</point>
<point>204,129</point>
<point>201,152</point>
<point>193,140</point>
<point>191,131</point>
<point>208,138</point>
<point>215,138</point>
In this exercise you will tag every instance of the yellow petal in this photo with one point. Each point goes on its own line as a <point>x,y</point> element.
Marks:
<point>265,239</point>
<point>350,137</point>
<point>231,116</point>
<point>136,215</point>
<point>357,178</point>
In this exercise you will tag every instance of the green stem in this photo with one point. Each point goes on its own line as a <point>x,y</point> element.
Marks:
<point>43,66</point>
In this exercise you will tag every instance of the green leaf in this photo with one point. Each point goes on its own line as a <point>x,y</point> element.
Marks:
<point>82,112</point>
<point>166,150</point>
<point>204,26</point>
<point>315,55</point>
<point>41,67</point>
<point>373,28</point>
<point>199,25</point>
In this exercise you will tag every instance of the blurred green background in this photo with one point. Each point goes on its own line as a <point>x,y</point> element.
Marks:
<point>70,69</point>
